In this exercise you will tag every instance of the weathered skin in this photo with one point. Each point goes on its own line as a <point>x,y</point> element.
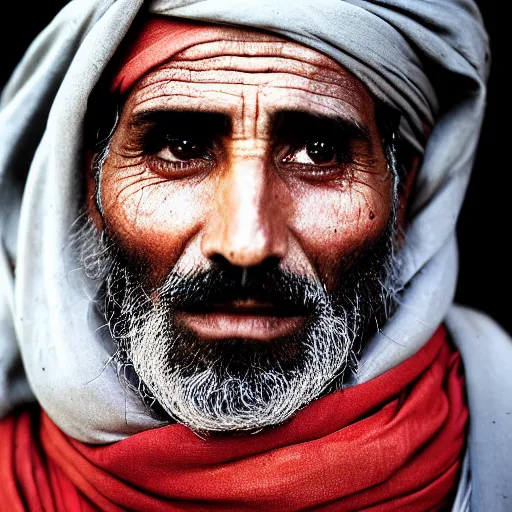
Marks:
<point>258,197</point>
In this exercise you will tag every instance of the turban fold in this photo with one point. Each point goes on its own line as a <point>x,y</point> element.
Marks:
<point>426,59</point>
<point>157,40</point>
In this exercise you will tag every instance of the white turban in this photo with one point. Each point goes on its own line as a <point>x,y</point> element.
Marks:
<point>426,58</point>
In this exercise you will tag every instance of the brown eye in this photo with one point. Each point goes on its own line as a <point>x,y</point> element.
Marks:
<point>315,152</point>
<point>180,158</point>
<point>186,149</point>
<point>320,152</point>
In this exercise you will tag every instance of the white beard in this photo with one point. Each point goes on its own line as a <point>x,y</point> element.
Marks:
<point>213,400</point>
<point>200,390</point>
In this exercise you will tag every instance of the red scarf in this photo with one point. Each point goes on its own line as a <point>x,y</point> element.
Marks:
<point>392,444</point>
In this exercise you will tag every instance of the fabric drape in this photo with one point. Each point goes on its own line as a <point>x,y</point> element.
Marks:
<point>394,443</point>
<point>428,59</point>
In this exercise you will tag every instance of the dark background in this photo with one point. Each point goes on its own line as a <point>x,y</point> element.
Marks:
<point>484,279</point>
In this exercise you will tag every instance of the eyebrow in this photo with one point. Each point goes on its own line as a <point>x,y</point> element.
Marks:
<point>285,123</point>
<point>186,120</point>
<point>301,122</point>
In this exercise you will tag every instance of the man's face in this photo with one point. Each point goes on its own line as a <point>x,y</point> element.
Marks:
<point>248,199</point>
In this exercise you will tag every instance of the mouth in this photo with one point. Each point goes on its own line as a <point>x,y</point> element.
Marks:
<point>248,318</point>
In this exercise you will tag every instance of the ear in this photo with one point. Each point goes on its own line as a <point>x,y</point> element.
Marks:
<point>412,166</point>
<point>90,184</point>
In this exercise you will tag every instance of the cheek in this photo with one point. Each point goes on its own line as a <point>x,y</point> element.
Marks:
<point>334,224</point>
<point>152,217</point>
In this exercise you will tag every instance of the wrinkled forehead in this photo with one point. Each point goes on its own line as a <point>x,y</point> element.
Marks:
<point>247,74</point>
<point>157,41</point>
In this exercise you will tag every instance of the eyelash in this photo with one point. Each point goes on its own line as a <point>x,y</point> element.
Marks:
<point>155,141</point>
<point>341,151</point>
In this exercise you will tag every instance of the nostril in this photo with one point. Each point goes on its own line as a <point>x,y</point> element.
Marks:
<point>270,263</point>
<point>222,263</point>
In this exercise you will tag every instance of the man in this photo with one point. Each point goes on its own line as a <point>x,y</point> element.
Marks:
<point>238,227</point>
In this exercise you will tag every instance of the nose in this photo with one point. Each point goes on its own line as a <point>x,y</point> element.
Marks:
<point>247,227</point>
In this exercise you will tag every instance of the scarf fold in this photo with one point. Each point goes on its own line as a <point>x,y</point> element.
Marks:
<point>393,443</point>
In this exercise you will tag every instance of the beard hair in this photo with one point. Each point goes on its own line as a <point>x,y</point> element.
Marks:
<point>236,384</point>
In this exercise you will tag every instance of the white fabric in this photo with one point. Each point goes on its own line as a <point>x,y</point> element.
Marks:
<point>428,58</point>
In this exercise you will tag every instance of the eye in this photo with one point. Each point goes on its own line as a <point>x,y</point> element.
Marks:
<point>183,150</point>
<point>314,152</point>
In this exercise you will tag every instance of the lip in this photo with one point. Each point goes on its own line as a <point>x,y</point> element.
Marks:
<point>242,319</point>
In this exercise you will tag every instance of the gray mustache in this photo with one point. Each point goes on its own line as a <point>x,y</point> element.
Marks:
<point>275,286</point>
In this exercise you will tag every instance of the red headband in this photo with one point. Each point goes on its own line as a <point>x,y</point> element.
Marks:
<point>158,40</point>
